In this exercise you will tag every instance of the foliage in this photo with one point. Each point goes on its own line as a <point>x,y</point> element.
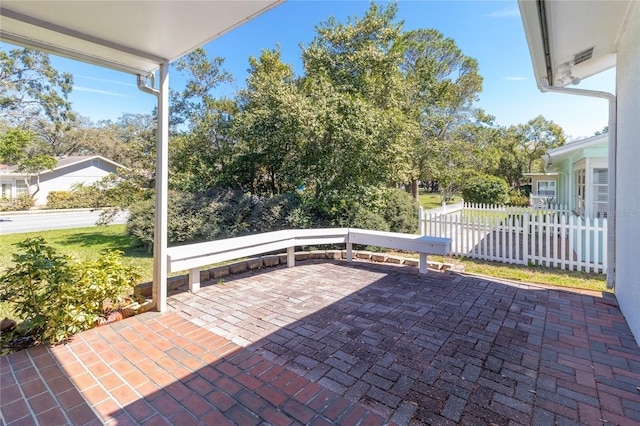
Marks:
<point>441,85</point>
<point>518,199</point>
<point>215,215</point>
<point>34,95</point>
<point>536,137</point>
<point>485,189</point>
<point>86,197</point>
<point>13,145</point>
<point>57,298</point>
<point>21,202</point>
<point>271,125</point>
<point>359,135</point>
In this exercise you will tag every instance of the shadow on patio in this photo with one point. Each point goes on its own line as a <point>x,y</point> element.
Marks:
<point>329,342</point>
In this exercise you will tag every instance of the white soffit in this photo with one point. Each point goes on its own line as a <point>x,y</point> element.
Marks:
<point>130,36</point>
<point>574,27</point>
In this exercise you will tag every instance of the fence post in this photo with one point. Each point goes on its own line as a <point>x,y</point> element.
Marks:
<point>525,238</point>
<point>422,229</point>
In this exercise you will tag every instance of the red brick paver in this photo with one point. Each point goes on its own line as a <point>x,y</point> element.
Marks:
<point>336,343</point>
<point>151,380</point>
<point>435,348</point>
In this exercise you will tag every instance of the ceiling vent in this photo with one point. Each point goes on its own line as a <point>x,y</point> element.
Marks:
<point>585,55</point>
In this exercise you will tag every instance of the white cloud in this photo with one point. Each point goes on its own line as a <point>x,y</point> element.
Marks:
<point>104,80</point>
<point>515,78</point>
<point>101,92</point>
<point>504,13</point>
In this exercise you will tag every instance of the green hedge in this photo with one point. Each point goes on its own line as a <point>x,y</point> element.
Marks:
<point>21,202</point>
<point>88,197</point>
<point>230,213</point>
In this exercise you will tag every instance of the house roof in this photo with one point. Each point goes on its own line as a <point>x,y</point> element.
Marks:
<point>130,36</point>
<point>562,152</point>
<point>569,41</point>
<point>65,162</point>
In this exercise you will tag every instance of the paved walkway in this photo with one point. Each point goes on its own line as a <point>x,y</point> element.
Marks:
<point>336,343</point>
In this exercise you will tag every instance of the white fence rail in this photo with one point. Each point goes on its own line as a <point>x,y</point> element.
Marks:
<point>546,237</point>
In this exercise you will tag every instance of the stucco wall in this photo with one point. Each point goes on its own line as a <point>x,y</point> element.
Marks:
<point>628,173</point>
<point>65,178</point>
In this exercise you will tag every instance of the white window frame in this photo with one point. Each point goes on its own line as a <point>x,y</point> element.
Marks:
<point>548,183</point>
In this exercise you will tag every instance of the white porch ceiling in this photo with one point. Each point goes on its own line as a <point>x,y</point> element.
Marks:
<point>573,27</point>
<point>130,36</point>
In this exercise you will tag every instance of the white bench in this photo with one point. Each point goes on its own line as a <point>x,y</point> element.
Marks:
<point>192,257</point>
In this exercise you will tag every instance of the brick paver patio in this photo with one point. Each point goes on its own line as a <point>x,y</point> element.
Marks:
<point>329,342</point>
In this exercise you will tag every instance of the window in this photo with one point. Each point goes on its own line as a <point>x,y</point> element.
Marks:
<point>547,188</point>
<point>600,192</point>
<point>580,179</point>
<point>6,190</point>
<point>21,187</point>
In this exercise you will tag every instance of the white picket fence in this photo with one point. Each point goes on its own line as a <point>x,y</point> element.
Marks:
<point>522,235</point>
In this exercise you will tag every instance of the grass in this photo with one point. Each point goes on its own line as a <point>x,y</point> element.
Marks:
<point>530,274</point>
<point>431,200</point>
<point>83,244</point>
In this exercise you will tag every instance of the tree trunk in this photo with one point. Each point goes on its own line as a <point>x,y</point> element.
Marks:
<point>414,189</point>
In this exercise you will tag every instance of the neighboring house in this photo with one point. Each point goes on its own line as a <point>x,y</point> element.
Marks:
<point>69,172</point>
<point>582,175</point>
<point>569,41</point>
<point>543,189</point>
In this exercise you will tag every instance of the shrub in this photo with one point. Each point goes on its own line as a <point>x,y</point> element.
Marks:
<point>518,199</point>
<point>486,189</point>
<point>83,198</point>
<point>400,211</point>
<point>219,214</point>
<point>56,297</point>
<point>21,202</point>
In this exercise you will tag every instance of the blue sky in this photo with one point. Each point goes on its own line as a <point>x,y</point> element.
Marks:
<point>491,32</point>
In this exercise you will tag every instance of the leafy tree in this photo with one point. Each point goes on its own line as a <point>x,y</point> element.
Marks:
<point>271,126</point>
<point>34,94</point>
<point>441,85</point>
<point>536,137</point>
<point>358,131</point>
<point>200,156</point>
<point>13,145</point>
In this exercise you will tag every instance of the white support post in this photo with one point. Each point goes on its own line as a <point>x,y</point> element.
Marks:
<point>423,263</point>
<point>194,280</point>
<point>349,252</point>
<point>291,257</point>
<point>160,262</point>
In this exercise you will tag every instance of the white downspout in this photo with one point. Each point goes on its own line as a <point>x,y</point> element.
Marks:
<point>611,216</point>
<point>159,292</point>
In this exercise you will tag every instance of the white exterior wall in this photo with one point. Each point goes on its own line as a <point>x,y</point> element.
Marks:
<point>65,178</point>
<point>627,284</point>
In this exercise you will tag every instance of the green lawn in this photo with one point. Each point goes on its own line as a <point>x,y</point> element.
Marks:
<point>431,200</point>
<point>82,244</point>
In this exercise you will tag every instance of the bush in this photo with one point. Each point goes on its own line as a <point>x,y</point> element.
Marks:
<point>518,199</point>
<point>57,298</point>
<point>21,202</point>
<point>231,213</point>
<point>217,215</point>
<point>486,189</point>
<point>400,211</point>
<point>84,198</point>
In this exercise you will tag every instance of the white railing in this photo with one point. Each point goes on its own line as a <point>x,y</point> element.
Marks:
<point>541,201</point>
<point>523,236</point>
